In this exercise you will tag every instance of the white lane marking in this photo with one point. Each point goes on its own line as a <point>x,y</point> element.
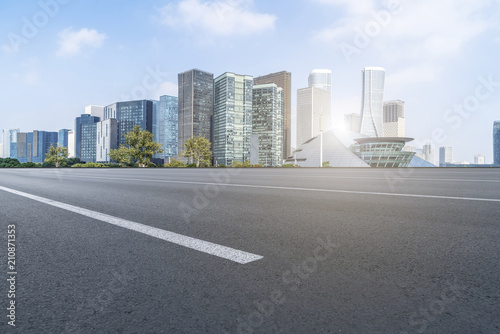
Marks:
<point>178,239</point>
<point>295,188</point>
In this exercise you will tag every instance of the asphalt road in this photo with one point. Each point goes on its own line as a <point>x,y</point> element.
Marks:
<point>252,250</point>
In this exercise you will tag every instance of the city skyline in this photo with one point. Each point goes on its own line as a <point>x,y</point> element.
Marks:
<point>83,56</point>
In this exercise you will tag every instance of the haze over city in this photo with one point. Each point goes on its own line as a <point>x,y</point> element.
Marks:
<point>59,58</point>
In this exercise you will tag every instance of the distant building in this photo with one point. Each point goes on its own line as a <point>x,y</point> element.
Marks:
<point>71,144</point>
<point>445,155</point>
<point>129,114</point>
<point>479,159</point>
<point>372,102</point>
<point>321,78</point>
<point>282,79</point>
<point>85,137</point>
<point>33,146</point>
<point>496,143</point>
<point>63,138</point>
<point>232,122</point>
<point>10,142</point>
<point>394,119</point>
<point>196,106</point>
<point>352,121</point>
<point>267,123</point>
<point>106,139</point>
<point>428,153</point>
<point>313,113</point>
<point>165,125</point>
<point>97,111</point>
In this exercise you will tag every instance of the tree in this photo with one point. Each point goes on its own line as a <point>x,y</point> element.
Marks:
<point>56,155</point>
<point>139,150</point>
<point>174,163</point>
<point>326,164</point>
<point>198,149</point>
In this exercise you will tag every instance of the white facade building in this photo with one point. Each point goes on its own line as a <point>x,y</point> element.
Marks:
<point>313,113</point>
<point>71,144</point>
<point>97,111</point>
<point>372,101</point>
<point>107,139</point>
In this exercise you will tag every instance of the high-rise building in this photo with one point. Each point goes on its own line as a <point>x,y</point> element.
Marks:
<point>496,143</point>
<point>97,111</point>
<point>445,155</point>
<point>71,144</point>
<point>282,79</point>
<point>232,122</point>
<point>428,153</point>
<point>63,138</point>
<point>106,139</point>
<point>351,122</point>
<point>85,137</point>
<point>1,150</point>
<point>372,101</point>
<point>321,78</point>
<point>33,146</point>
<point>129,114</point>
<point>165,125</point>
<point>267,123</point>
<point>10,142</point>
<point>479,159</point>
<point>196,105</point>
<point>393,118</point>
<point>313,113</point>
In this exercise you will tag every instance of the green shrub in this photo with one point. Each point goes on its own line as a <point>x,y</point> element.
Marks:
<point>174,163</point>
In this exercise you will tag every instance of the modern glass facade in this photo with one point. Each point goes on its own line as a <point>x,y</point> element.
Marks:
<point>10,143</point>
<point>165,125</point>
<point>195,105</point>
<point>321,79</point>
<point>372,102</point>
<point>267,123</point>
<point>33,146</point>
<point>129,114</point>
<point>85,137</point>
<point>496,143</point>
<point>383,152</point>
<point>282,79</point>
<point>232,118</point>
<point>63,138</point>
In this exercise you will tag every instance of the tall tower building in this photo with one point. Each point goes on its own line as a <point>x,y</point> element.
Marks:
<point>428,153</point>
<point>85,137</point>
<point>496,143</point>
<point>129,114</point>
<point>394,118</point>
<point>313,116</point>
<point>165,125</point>
<point>33,146</point>
<point>62,140</point>
<point>10,143</point>
<point>71,144</point>
<point>106,139</point>
<point>372,101</point>
<point>267,123</point>
<point>322,79</point>
<point>282,79</point>
<point>232,120</point>
<point>196,105</point>
<point>445,155</point>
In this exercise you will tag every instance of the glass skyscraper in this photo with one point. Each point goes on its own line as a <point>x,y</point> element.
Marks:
<point>321,79</point>
<point>195,106</point>
<point>33,146</point>
<point>267,123</point>
<point>496,143</point>
<point>129,114</point>
<point>165,125</point>
<point>63,138</point>
<point>372,102</point>
<point>85,137</point>
<point>232,118</point>
<point>10,143</point>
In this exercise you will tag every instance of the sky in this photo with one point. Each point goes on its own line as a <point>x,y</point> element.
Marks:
<point>441,57</point>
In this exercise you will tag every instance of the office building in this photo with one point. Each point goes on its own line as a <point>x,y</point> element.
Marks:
<point>373,80</point>
<point>282,79</point>
<point>496,143</point>
<point>445,155</point>
<point>97,111</point>
<point>106,139</point>
<point>33,146</point>
<point>479,159</point>
<point>1,150</point>
<point>71,144</point>
<point>313,113</point>
<point>232,121</point>
<point>393,118</point>
<point>129,114</point>
<point>352,121</point>
<point>85,137</point>
<point>195,106</point>
<point>321,78</point>
<point>10,142</point>
<point>428,153</point>
<point>63,138</point>
<point>165,125</point>
<point>267,123</point>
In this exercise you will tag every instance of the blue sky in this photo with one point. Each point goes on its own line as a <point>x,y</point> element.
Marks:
<point>441,58</point>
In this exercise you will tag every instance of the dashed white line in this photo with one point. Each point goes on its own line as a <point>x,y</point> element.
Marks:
<point>178,239</point>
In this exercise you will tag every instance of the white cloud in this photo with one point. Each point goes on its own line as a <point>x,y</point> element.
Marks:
<point>73,42</point>
<point>412,75</point>
<point>166,88</point>
<point>218,18</point>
